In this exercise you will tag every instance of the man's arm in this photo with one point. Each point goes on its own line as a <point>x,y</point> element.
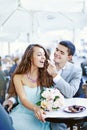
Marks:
<point>10,103</point>
<point>70,85</point>
<point>68,82</point>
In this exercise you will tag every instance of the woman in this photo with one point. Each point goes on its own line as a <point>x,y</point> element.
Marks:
<point>27,81</point>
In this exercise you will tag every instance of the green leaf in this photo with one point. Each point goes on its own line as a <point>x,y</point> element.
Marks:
<point>56,97</point>
<point>55,108</point>
<point>38,103</point>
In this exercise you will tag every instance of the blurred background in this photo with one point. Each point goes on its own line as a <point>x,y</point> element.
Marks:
<point>46,22</point>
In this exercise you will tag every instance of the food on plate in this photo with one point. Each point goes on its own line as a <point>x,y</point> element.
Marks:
<point>75,108</point>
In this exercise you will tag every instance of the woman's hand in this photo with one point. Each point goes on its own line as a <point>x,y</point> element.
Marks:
<point>8,103</point>
<point>39,113</point>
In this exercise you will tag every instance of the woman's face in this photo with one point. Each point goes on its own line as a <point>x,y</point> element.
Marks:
<point>39,58</point>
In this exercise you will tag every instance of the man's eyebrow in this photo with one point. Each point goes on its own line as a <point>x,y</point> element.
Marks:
<point>59,49</point>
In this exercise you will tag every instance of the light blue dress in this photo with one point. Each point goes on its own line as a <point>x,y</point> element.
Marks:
<point>23,118</point>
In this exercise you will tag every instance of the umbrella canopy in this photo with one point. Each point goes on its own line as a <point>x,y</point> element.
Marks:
<point>24,19</point>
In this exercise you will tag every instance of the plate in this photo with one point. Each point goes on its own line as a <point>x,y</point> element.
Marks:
<point>74,109</point>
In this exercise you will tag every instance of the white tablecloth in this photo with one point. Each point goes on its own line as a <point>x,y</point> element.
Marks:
<point>68,102</point>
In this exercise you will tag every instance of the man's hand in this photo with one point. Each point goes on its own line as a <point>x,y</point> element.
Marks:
<point>52,69</point>
<point>8,103</point>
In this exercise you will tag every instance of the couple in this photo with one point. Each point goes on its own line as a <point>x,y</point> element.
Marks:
<point>34,72</point>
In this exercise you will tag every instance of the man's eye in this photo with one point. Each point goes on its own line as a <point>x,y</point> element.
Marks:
<point>62,53</point>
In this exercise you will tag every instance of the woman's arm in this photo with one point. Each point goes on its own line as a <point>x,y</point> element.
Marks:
<point>22,95</point>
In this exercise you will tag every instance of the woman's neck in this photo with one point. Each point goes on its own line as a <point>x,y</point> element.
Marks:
<point>33,74</point>
<point>33,71</point>
<point>32,79</point>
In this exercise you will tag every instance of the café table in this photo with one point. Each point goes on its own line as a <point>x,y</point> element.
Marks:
<point>67,117</point>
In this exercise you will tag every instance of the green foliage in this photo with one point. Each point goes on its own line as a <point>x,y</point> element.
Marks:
<point>38,103</point>
<point>56,97</point>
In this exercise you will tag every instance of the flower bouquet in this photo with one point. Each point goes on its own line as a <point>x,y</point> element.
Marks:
<point>51,99</point>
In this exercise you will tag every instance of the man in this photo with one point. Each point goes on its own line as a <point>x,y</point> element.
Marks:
<point>5,120</point>
<point>65,74</point>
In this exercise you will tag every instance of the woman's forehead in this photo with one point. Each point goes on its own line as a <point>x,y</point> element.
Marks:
<point>38,49</point>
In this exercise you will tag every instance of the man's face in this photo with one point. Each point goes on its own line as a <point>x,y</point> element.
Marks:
<point>61,54</point>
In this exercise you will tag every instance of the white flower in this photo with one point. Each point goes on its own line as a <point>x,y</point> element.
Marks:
<point>51,99</point>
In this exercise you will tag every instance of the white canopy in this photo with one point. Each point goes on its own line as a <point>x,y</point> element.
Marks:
<point>25,19</point>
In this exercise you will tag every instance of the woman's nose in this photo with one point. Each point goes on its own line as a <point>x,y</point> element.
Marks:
<point>43,57</point>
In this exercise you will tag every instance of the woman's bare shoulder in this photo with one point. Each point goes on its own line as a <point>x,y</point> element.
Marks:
<point>17,76</point>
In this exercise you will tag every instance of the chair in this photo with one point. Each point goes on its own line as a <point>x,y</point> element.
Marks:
<point>85,89</point>
<point>80,93</point>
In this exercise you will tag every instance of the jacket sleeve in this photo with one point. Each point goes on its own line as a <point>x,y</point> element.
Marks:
<point>69,86</point>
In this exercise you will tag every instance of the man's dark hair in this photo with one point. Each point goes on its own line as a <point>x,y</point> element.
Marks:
<point>69,45</point>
